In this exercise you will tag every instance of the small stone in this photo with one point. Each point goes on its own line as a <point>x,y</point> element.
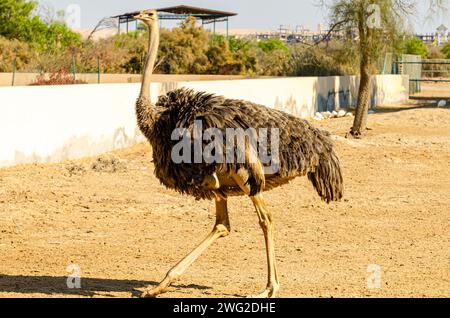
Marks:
<point>341,113</point>
<point>326,115</point>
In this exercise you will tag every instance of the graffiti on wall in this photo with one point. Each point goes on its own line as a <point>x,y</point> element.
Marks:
<point>334,100</point>
<point>291,106</point>
<point>75,147</point>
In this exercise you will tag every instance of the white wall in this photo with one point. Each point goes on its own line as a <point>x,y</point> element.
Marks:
<point>56,123</point>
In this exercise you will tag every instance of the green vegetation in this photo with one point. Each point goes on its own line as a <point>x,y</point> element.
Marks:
<point>379,24</point>
<point>416,47</point>
<point>272,45</point>
<point>38,46</point>
<point>51,47</point>
<point>18,22</point>
<point>446,50</point>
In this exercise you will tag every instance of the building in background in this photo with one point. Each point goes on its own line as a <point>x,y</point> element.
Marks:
<point>440,37</point>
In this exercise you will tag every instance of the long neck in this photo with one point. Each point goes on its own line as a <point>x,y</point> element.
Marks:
<point>151,59</point>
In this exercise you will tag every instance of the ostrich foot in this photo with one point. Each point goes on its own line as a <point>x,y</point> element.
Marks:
<point>269,292</point>
<point>152,292</point>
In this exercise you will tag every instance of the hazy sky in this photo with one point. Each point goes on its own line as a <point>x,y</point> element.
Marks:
<point>261,14</point>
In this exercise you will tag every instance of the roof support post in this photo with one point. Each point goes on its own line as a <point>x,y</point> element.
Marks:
<point>228,32</point>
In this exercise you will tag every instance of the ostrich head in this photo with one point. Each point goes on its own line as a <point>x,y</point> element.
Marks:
<point>149,17</point>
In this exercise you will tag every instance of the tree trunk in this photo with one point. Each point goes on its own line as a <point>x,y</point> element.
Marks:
<point>362,109</point>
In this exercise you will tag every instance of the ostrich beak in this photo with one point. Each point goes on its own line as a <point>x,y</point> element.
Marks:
<point>137,17</point>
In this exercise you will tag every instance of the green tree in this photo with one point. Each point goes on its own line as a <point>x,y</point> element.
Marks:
<point>15,19</point>
<point>272,45</point>
<point>230,57</point>
<point>183,49</point>
<point>416,47</point>
<point>377,24</point>
<point>446,50</point>
<point>189,49</point>
<point>18,22</point>
<point>334,58</point>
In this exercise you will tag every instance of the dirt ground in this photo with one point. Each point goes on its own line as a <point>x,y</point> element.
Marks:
<point>434,90</point>
<point>124,231</point>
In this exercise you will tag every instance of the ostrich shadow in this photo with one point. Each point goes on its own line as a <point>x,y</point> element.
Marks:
<point>54,285</point>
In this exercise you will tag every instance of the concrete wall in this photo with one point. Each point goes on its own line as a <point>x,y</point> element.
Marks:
<point>56,123</point>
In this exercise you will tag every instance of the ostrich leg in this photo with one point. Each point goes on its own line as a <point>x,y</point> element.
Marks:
<point>221,229</point>
<point>265,221</point>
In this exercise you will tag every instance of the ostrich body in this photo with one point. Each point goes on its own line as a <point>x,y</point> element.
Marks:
<point>303,151</point>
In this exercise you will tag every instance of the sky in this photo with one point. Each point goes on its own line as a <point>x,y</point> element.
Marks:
<point>252,14</point>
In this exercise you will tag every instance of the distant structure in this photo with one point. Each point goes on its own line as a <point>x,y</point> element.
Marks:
<point>440,37</point>
<point>182,12</point>
<point>286,33</point>
<point>300,34</point>
<point>442,34</point>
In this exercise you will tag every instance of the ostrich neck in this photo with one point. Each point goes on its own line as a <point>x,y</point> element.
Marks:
<point>151,59</point>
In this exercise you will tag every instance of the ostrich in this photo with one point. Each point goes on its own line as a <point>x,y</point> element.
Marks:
<point>303,151</point>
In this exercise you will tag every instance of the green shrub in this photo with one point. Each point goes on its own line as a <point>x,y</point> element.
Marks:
<point>18,22</point>
<point>415,46</point>
<point>446,50</point>
<point>272,45</point>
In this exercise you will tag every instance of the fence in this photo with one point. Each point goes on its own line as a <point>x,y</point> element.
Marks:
<point>419,70</point>
<point>67,73</point>
<point>25,79</point>
<point>405,64</point>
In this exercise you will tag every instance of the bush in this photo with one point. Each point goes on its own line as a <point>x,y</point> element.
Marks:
<point>415,46</point>
<point>446,51</point>
<point>437,70</point>
<point>329,59</point>
<point>19,23</point>
<point>187,49</point>
<point>233,57</point>
<point>15,19</point>
<point>271,45</point>
<point>14,49</point>
<point>183,49</point>
<point>57,78</point>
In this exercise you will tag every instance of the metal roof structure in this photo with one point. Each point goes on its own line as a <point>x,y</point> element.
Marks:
<point>182,12</point>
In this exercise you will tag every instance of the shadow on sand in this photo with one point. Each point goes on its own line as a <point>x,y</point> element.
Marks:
<point>396,109</point>
<point>89,286</point>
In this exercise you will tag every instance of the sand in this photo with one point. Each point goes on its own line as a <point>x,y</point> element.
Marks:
<point>123,230</point>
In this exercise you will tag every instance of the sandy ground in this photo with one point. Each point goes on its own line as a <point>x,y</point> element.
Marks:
<point>434,90</point>
<point>124,230</point>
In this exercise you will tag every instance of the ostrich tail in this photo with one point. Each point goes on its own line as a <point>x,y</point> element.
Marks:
<point>327,178</point>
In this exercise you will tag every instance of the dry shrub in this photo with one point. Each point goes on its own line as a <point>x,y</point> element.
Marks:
<point>58,78</point>
<point>75,169</point>
<point>108,163</point>
<point>14,49</point>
